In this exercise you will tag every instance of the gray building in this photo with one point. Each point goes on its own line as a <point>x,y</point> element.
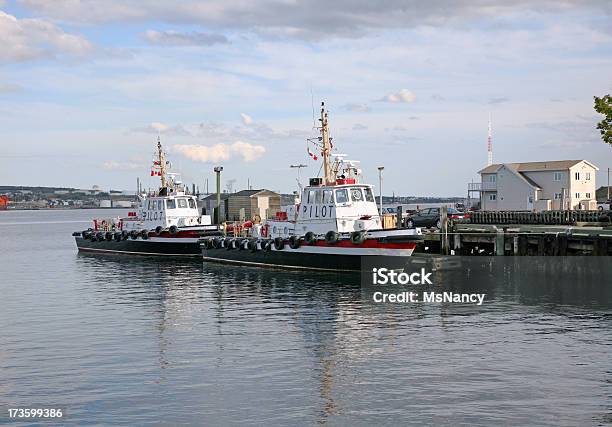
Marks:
<point>554,185</point>
<point>244,205</point>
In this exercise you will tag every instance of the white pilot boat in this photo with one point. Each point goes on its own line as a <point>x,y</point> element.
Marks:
<point>168,222</point>
<point>333,226</point>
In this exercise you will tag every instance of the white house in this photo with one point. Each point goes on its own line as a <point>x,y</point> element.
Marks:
<point>555,185</point>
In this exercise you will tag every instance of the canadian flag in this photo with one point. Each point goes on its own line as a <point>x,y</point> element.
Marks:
<point>311,154</point>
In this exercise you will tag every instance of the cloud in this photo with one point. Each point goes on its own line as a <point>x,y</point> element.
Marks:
<point>162,128</point>
<point>29,39</point>
<point>9,88</point>
<point>359,108</point>
<point>220,152</point>
<point>500,100</point>
<point>123,166</point>
<point>246,119</point>
<point>359,126</point>
<point>304,19</point>
<point>176,38</point>
<point>403,95</point>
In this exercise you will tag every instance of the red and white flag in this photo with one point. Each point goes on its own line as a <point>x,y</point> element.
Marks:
<point>311,154</point>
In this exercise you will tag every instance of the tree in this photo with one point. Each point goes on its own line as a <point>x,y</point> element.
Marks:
<point>603,106</point>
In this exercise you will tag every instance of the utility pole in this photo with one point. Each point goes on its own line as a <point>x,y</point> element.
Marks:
<point>218,170</point>
<point>380,169</point>
<point>608,185</point>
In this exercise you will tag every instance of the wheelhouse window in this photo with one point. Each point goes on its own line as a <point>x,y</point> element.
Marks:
<point>356,194</point>
<point>182,203</point>
<point>327,196</point>
<point>368,194</point>
<point>170,204</point>
<point>311,196</point>
<point>318,196</point>
<point>192,204</point>
<point>342,196</point>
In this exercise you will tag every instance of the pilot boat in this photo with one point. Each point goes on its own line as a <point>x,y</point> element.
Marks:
<point>333,225</point>
<point>168,222</point>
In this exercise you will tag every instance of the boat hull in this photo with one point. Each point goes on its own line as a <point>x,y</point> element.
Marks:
<point>179,247</point>
<point>341,257</point>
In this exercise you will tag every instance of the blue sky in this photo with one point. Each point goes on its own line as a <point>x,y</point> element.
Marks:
<point>86,86</point>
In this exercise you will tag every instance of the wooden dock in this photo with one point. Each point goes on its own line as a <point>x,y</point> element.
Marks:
<point>520,234</point>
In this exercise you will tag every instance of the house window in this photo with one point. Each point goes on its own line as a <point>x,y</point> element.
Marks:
<point>588,195</point>
<point>587,176</point>
<point>577,176</point>
<point>492,178</point>
<point>492,197</point>
<point>557,176</point>
<point>557,196</point>
<point>577,195</point>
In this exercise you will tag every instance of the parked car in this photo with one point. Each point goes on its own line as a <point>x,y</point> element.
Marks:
<point>387,210</point>
<point>430,217</point>
<point>605,206</point>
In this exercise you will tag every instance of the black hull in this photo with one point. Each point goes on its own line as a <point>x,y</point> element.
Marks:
<point>179,248</point>
<point>284,259</point>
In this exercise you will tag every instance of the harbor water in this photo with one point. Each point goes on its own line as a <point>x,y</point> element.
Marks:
<point>142,341</point>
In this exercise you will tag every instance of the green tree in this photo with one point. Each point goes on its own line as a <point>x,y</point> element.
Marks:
<point>603,106</point>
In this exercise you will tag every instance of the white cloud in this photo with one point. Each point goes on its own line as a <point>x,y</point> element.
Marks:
<point>403,95</point>
<point>9,88</point>
<point>157,128</point>
<point>28,39</point>
<point>220,152</point>
<point>246,119</point>
<point>359,108</point>
<point>176,38</point>
<point>359,126</point>
<point>123,166</point>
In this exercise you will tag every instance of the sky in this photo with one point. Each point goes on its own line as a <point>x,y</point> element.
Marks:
<point>87,86</point>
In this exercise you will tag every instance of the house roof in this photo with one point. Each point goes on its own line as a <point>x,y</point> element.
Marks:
<point>214,196</point>
<point>529,180</point>
<point>554,165</point>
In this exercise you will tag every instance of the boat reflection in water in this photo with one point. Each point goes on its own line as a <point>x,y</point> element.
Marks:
<point>314,348</point>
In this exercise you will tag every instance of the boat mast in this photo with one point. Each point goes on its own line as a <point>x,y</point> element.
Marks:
<point>162,163</point>
<point>328,175</point>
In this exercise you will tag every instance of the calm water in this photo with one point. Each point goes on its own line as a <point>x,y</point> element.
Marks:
<point>146,341</point>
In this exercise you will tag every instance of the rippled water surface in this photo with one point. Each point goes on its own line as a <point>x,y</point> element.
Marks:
<point>150,341</point>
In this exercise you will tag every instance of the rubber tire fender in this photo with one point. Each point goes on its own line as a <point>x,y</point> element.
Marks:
<point>310,238</point>
<point>294,242</point>
<point>358,237</point>
<point>332,237</point>
<point>279,243</point>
